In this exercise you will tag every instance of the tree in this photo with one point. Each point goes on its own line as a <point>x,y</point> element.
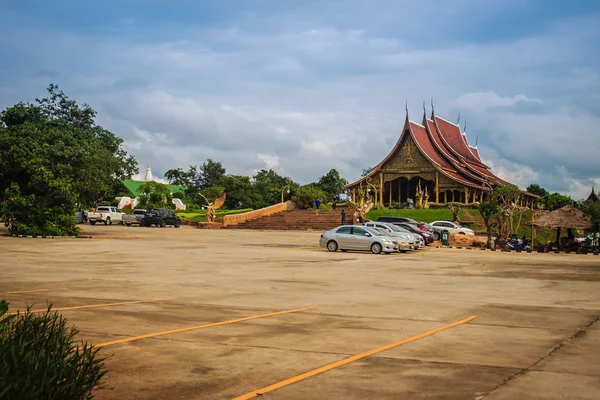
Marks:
<point>331,183</point>
<point>177,176</point>
<point>268,185</point>
<point>241,193</point>
<point>554,201</point>
<point>366,171</point>
<point>455,210</point>
<point>155,195</point>
<point>488,209</point>
<point>305,195</point>
<point>212,173</point>
<point>592,210</point>
<point>508,213</point>
<point>537,189</point>
<point>53,157</point>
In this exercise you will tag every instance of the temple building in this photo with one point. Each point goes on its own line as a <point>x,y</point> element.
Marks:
<point>432,162</point>
<point>593,196</point>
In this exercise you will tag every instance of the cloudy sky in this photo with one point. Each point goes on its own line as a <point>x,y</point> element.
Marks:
<point>305,86</point>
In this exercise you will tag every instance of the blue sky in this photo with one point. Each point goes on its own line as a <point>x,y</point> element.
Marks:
<point>302,87</point>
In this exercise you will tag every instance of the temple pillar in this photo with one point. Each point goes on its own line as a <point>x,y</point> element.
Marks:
<point>391,187</point>
<point>437,188</point>
<point>381,188</point>
<point>354,195</point>
<point>466,195</point>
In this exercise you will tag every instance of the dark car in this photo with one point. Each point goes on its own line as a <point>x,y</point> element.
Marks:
<point>160,217</point>
<point>394,220</point>
<point>426,235</point>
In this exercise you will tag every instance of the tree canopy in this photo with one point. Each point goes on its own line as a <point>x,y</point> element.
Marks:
<point>55,156</point>
<point>332,183</point>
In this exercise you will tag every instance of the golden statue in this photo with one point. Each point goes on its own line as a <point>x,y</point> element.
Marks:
<point>419,196</point>
<point>426,199</point>
<point>211,207</point>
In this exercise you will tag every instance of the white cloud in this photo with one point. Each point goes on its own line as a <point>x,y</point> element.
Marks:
<point>487,100</point>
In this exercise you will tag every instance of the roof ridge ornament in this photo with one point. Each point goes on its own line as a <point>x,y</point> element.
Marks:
<point>476,140</point>
<point>406,107</point>
<point>432,109</point>
<point>458,120</point>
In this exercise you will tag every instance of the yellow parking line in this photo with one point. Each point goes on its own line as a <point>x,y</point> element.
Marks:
<point>348,360</point>
<point>100,305</point>
<point>191,328</point>
<point>25,291</point>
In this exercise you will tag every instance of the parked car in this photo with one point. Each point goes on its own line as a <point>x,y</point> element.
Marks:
<point>347,237</point>
<point>135,218</point>
<point>406,241</point>
<point>427,236</point>
<point>393,219</point>
<point>80,217</point>
<point>160,217</point>
<point>419,238</point>
<point>106,214</point>
<point>451,227</point>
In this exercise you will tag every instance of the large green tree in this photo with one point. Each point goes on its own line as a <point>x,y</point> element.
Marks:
<point>331,184</point>
<point>53,156</point>
<point>536,189</point>
<point>155,194</point>
<point>269,185</point>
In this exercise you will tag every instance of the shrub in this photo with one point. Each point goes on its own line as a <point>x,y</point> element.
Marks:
<point>39,358</point>
<point>178,195</point>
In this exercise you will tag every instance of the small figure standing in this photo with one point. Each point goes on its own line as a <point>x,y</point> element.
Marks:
<point>317,203</point>
<point>343,214</point>
<point>333,202</point>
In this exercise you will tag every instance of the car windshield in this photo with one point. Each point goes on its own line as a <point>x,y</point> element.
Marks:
<point>393,228</point>
<point>373,231</point>
<point>410,228</point>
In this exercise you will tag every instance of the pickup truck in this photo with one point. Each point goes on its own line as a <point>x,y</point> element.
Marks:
<point>106,214</point>
<point>135,218</point>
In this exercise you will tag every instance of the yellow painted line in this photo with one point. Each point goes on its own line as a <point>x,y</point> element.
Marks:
<point>191,328</point>
<point>348,360</point>
<point>101,305</point>
<point>25,291</point>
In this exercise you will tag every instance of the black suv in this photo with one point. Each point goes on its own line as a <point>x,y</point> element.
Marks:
<point>160,217</point>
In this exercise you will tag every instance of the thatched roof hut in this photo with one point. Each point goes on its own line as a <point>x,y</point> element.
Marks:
<point>565,217</point>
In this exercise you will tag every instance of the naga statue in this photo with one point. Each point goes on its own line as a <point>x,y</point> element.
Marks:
<point>211,207</point>
<point>426,198</point>
<point>419,196</point>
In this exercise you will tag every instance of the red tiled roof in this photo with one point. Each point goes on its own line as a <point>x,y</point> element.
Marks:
<point>424,142</point>
<point>455,140</point>
<point>475,152</point>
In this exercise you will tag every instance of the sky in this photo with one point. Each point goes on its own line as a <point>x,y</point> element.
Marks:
<point>305,86</point>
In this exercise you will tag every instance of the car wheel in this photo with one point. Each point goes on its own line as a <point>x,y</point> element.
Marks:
<point>177,224</point>
<point>163,223</point>
<point>403,251</point>
<point>128,224</point>
<point>436,235</point>
<point>107,221</point>
<point>332,245</point>
<point>376,248</point>
<point>92,222</point>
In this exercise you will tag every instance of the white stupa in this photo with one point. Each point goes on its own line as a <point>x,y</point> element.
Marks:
<point>148,174</point>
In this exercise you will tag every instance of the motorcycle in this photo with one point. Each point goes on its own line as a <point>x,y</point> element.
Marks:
<point>515,244</point>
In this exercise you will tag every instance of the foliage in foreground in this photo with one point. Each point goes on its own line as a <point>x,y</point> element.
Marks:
<point>39,358</point>
<point>156,195</point>
<point>54,156</point>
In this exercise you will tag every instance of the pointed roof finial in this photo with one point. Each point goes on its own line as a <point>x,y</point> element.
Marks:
<point>406,107</point>
<point>476,140</point>
<point>458,120</point>
<point>432,109</point>
<point>424,110</point>
<point>465,128</point>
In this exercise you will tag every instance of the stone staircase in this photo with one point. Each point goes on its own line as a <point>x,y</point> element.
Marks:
<point>297,220</point>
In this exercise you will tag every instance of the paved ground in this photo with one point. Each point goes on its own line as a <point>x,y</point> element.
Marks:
<point>536,335</point>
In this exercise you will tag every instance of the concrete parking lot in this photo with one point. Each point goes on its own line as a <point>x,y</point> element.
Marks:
<point>225,314</point>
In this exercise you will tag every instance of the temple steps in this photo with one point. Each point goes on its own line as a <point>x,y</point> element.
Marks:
<point>296,220</point>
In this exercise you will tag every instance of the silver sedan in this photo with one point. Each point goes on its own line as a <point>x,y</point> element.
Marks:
<point>348,237</point>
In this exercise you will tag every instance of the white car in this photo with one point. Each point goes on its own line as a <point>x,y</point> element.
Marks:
<point>406,240</point>
<point>451,227</point>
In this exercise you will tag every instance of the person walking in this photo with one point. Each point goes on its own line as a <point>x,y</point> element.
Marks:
<point>317,203</point>
<point>343,214</point>
<point>333,202</point>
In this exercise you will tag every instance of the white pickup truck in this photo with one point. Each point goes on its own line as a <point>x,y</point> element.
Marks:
<point>106,214</point>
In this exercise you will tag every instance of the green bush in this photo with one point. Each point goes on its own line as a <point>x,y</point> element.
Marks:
<point>178,195</point>
<point>39,358</point>
<point>305,196</point>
